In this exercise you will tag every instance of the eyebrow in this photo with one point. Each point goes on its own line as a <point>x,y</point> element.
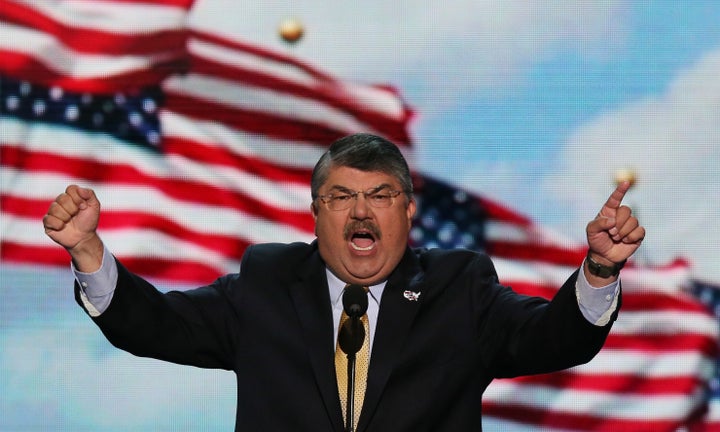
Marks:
<point>373,189</point>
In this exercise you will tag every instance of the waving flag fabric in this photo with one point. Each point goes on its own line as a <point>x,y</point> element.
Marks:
<point>199,146</point>
<point>651,375</point>
<point>191,168</point>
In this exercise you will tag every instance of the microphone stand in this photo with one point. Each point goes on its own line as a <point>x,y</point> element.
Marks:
<point>352,337</point>
<point>350,410</point>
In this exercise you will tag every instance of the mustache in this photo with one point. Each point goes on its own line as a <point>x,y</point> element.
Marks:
<point>356,226</point>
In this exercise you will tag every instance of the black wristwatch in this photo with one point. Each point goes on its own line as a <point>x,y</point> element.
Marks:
<point>601,270</point>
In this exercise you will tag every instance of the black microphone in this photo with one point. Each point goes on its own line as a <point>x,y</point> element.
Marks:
<point>352,332</point>
<point>355,301</point>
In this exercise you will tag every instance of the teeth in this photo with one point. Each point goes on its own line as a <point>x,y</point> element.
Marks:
<point>356,247</point>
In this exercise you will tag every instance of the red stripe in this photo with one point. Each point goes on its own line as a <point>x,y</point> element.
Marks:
<point>645,301</point>
<point>219,156</point>
<point>43,255</point>
<point>183,190</point>
<point>27,68</point>
<point>502,213</point>
<point>255,50</point>
<point>702,424</point>
<point>175,270</point>
<point>680,341</point>
<point>621,384</point>
<point>554,419</point>
<point>171,270</point>
<point>255,122</point>
<point>182,4</point>
<point>90,41</point>
<point>534,252</point>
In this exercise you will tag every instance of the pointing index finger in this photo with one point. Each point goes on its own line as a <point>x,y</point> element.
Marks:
<point>614,200</point>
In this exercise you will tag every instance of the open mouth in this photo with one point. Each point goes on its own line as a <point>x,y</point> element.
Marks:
<point>362,240</point>
<point>362,236</point>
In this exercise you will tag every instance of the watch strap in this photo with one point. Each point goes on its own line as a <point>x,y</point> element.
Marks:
<point>601,270</point>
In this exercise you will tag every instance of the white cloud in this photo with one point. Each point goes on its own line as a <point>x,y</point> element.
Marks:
<point>673,143</point>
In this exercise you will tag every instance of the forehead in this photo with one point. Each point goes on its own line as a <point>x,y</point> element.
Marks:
<point>355,179</point>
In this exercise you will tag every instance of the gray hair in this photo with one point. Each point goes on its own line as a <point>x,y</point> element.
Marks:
<point>365,152</point>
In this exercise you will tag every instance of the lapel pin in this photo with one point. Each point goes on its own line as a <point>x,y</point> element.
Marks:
<point>412,296</point>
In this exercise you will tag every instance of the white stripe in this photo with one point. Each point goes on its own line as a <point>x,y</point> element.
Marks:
<point>245,60</point>
<point>284,195</point>
<point>105,149</point>
<point>595,403</point>
<point>647,364</point>
<point>532,272</point>
<point>668,280</point>
<point>64,61</point>
<point>118,17</point>
<point>506,231</point>
<point>532,234</point>
<point>490,423</point>
<point>260,100</point>
<point>665,323</point>
<point>213,134</point>
<point>146,244</point>
<point>376,99</point>
<point>373,99</point>
<point>635,280</point>
<point>201,218</point>
<point>713,414</point>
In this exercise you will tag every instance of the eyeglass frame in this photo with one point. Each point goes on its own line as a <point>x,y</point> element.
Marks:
<point>327,199</point>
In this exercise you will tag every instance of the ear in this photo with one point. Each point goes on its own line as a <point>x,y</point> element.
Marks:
<point>410,210</point>
<point>314,210</point>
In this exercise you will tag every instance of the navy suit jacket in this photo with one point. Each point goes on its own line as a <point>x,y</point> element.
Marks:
<point>272,325</point>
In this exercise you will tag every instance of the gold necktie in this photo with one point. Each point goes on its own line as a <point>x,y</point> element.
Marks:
<point>362,361</point>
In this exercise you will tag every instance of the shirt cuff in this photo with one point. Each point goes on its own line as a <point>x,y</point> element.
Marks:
<point>97,288</point>
<point>597,304</point>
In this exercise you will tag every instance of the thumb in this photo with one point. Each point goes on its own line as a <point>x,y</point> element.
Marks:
<point>600,224</point>
<point>87,198</point>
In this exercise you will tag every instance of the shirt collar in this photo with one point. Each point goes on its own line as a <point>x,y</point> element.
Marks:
<point>337,287</point>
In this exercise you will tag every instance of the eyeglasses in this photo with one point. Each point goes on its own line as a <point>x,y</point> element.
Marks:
<point>343,200</point>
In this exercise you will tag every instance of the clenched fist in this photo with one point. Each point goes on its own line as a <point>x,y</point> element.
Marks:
<point>71,222</point>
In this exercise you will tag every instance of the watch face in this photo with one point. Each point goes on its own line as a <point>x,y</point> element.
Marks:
<point>605,272</point>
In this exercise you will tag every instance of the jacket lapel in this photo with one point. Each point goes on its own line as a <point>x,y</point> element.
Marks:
<point>312,302</point>
<point>394,322</point>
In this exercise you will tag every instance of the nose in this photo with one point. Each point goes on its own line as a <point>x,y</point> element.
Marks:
<point>360,208</point>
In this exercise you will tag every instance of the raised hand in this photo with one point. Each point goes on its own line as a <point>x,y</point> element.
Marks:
<point>71,222</point>
<point>615,234</point>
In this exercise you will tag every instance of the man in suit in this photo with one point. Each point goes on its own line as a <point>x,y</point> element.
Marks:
<point>440,326</point>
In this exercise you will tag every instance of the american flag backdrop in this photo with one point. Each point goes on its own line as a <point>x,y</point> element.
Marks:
<point>199,146</point>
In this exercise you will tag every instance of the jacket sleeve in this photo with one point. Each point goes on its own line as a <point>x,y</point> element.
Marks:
<point>190,327</point>
<point>531,335</point>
